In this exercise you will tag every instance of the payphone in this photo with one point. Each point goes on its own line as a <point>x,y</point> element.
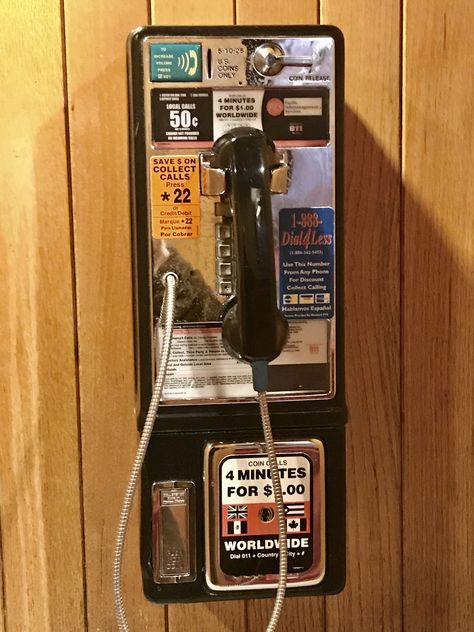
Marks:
<point>236,191</point>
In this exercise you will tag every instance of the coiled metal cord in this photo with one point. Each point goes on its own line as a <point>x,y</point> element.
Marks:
<point>280,506</point>
<point>170,280</point>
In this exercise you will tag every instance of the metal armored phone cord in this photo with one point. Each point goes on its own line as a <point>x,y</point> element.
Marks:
<point>259,370</point>
<point>170,281</point>
<point>260,384</point>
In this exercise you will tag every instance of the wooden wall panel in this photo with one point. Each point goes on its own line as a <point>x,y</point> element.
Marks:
<point>191,12</point>
<point>372,598</point>
<point>438,269</point>
<point>2,588</point>
<point>276,12</point>
<point>39,449</point>
<point>96,33</point>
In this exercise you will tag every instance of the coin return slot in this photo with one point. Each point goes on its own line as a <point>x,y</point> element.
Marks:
<point>173,532</point>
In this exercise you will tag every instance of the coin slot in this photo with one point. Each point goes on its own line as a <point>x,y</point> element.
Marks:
<point>209,63</point>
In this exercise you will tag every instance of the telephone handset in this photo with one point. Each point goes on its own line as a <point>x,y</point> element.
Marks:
<point>253,328</point>
<point>236,169</point>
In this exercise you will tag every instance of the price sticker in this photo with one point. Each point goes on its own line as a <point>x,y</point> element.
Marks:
<point>175,196</point>
<point>181,117</point>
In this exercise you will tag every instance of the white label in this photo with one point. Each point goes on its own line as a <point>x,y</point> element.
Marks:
<point>303,106</point>
<point>229,62</point>
<point>307,343</point>
<point>200,368</point>
<point>248,479</point>
<point>236,108</point>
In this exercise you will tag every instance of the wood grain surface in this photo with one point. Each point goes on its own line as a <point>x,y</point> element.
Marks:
<point>96,34</point>
<point>438,326</point>
<point>192,12</point>
<point>66,317</point>
<point>276,12</point>
<point>372,599</point>
<point>2,587</point>
<point>39,448</point>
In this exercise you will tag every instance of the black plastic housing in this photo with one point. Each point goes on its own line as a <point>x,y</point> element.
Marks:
<point>181,432</point>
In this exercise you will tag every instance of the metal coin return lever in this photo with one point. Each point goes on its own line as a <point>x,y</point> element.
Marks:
<point>269,59</point>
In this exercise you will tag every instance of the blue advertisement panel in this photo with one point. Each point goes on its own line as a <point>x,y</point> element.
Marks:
<point>306,237</point>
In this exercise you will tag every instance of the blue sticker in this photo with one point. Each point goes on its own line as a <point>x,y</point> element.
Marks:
<point>307,262</point>
<point>175,62</point>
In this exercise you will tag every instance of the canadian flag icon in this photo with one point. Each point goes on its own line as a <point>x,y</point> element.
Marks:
<point>296,524</point>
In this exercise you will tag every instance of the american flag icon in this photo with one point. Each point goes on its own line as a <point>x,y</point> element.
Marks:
<point>236,512</point>
<point>294,509</point>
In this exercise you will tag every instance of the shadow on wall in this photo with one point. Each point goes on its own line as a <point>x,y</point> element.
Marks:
<point>374,271</point>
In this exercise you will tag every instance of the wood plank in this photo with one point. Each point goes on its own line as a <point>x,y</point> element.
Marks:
<point>2,588</point>
<point>372,599</point>
<point>299,613</point>
<point>39,473</point>
<point>276,12</point>
<point>96,33</point>
<point>212,616</point>
<point>192,12</point>
<point>438,317</point>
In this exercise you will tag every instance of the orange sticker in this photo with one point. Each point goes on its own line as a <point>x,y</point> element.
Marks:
<point>175,196</point>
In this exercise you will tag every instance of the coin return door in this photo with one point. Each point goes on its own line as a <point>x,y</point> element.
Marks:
<point>208,526</point>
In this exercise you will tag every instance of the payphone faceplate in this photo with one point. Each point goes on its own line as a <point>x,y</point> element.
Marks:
<point>188,89</point>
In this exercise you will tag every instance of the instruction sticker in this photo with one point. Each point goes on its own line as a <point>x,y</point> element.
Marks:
<point>236,108</point>
<point>175,61</point>
<point>307,262</point>
<point>183,116</point>
<point>299,116</point>
<point>303,106</point>
<point>248,521</point>
<point>200,367</point>
<point>175,196</point>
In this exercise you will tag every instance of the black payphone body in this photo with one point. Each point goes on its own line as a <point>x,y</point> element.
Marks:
<point>224,119</point>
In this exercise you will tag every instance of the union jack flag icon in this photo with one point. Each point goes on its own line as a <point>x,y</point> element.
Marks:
<point>236,512</point>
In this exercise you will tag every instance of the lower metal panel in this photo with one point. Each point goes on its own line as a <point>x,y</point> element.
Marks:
<point>241,523</point>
